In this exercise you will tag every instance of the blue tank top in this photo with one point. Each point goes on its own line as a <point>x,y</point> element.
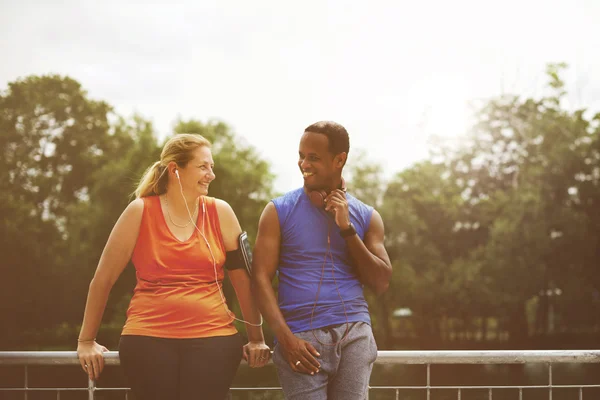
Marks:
<point>304,231</point>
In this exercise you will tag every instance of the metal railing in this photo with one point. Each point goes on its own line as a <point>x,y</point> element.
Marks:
<point>427,358</point>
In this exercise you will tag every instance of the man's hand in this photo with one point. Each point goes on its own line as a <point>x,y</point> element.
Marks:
<point>300,355</point>
<point>337,203</point>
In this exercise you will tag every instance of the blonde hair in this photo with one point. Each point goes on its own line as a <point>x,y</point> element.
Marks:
<point>178,149</point>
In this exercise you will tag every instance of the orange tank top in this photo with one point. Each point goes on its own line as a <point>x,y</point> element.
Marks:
<point>176,295</point>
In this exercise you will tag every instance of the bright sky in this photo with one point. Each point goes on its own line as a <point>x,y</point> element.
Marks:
<point>392,72</point>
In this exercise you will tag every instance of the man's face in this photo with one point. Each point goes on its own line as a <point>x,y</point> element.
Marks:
<point>315,161</point>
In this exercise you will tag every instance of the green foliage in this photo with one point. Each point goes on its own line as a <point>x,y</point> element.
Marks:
<point>69,168</point>
<point>52,138</point>
<point>489,225</point>
<point>478,235</point>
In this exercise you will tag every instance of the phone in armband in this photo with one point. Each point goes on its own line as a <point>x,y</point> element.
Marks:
<point>246,251</point>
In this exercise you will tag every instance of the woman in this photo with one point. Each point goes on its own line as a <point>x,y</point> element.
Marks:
<point>178,341</point>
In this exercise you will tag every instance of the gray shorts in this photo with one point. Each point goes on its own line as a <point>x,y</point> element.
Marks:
<point>345,367</point>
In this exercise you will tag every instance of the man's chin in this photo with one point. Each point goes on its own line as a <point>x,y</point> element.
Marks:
<point>313,183</point>
<point>311,187</point>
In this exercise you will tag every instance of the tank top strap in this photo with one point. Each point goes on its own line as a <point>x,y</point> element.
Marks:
<point>213,224</point>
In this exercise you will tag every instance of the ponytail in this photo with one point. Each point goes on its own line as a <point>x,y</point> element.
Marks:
<point>154,181</point>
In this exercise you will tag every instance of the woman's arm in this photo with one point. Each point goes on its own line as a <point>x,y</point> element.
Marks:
<point>257,352</point>
<point>113,261</point>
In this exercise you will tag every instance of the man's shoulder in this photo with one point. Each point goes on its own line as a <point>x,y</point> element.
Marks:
<point>357,202</point>
<point>287,196</point>
<point>285,203</point>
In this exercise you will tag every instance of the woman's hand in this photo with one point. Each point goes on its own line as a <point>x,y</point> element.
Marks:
<point>91,358</point>
<point>257,354</point>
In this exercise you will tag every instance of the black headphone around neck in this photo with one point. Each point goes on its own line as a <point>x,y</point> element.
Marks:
<point>317,197</point>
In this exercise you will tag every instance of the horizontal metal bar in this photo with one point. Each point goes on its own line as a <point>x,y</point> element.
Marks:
<point>370,387</point>
<point>383,357</point>
<point>484,387</point>
<point>489,357</point>
<point>36,389</point>
<point>50,358</point>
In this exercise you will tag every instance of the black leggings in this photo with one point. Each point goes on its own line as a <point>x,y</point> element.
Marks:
<point>180,369</point>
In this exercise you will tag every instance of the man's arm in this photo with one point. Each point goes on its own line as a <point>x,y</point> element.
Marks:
<point>373,264</point>
<point>265,260</point>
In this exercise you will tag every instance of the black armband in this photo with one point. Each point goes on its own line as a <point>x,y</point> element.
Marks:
<point>241,257</point>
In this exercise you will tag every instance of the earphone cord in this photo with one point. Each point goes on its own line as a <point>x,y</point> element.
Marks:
<point>219,286</point>
<point>328,253</point>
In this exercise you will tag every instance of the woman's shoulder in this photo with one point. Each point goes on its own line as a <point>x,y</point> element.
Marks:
<point>221,205</point>
<point>133,213</point>
<point>227,216</point>
<point>228,221</point>
<point>137,206</point>
<point>145,203</point>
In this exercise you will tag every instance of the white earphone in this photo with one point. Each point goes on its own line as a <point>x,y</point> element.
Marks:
<point>212,255</point>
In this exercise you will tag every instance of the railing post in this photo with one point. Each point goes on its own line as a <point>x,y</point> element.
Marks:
<point>550,381</point>
<point>428,381</point>
<point>91,388</point>
<point>26,381</point>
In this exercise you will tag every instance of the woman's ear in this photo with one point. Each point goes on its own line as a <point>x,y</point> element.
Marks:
<point>172,167</point>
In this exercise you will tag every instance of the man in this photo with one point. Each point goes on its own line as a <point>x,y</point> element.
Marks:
<point>325,245</point>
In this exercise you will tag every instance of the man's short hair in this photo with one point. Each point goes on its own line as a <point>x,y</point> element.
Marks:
<point>339,141</point>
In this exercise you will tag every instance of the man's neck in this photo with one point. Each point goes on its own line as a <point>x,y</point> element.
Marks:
<point>337,184</point>
<point>328,189</point>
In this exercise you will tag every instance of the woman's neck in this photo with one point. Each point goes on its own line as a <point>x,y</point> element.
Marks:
<point>177,204</point>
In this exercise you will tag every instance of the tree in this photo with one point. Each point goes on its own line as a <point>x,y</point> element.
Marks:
<point>428,231</point>
<point>485,227</point>
<point>521,164</point>
<point>52,138</point>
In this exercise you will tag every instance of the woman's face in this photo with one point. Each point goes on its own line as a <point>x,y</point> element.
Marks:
<point>197,175</point>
